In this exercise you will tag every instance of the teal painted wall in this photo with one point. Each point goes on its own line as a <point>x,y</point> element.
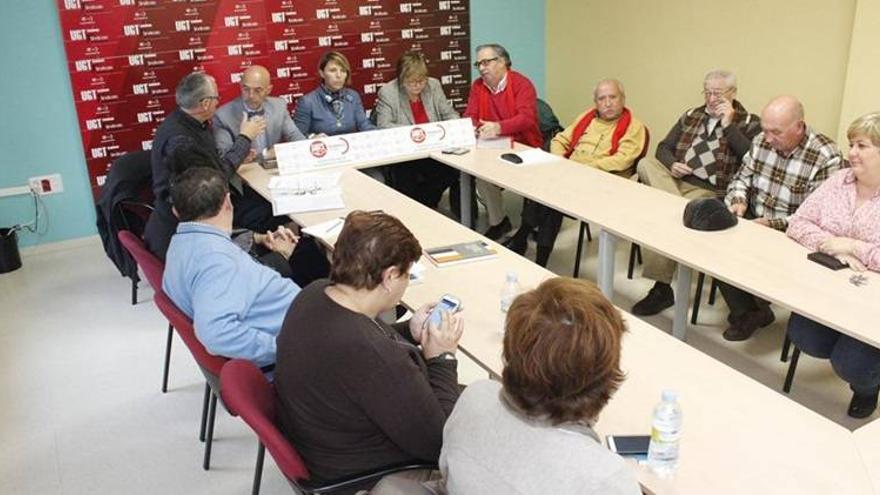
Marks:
<point>518,26</point>
<point>38,128</point>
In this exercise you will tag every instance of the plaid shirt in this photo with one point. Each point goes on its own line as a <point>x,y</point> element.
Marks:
<point>773,186</point>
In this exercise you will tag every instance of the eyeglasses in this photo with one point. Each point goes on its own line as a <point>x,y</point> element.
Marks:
<point>716,93</point>
<point>215,97</point>
<point>415,82</point>
<point>484,62</point>
<point>257,90</point>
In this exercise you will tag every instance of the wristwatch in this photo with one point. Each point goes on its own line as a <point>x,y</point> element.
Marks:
<point>444,356</point>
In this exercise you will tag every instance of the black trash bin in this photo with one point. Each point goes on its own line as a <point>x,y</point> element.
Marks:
<point>9,258</point>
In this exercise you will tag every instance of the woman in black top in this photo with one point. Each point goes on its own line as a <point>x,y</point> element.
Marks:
<point>354,393</point>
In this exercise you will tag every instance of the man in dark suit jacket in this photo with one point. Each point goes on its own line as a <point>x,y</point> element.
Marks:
<point>255,103</point>
<point>187,128</point>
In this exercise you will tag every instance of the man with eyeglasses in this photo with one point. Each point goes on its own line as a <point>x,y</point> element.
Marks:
<point>787,161</point>
<point>502,102</point>
<point>696,159</point>
<point>188,126</point>
<point>255,103</point>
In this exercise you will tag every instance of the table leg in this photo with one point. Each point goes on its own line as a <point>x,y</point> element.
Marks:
<point>605,271</point>
<point>682,301</point>
<point>467,192</point>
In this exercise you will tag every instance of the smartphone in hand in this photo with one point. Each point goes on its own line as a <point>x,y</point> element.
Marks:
<point>448,303</point>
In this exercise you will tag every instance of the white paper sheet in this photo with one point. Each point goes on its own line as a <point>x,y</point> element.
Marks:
<point>285,204</point>
<point>534,156</point>
<point>496,143</point>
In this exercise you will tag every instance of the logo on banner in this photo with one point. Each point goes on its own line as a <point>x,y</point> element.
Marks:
<point>418,135</point>
<point>318,149</point>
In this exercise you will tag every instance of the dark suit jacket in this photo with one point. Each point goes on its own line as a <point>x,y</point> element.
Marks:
<point>393,109</point>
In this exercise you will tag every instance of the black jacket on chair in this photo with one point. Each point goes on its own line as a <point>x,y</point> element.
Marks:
<point>128,180</point>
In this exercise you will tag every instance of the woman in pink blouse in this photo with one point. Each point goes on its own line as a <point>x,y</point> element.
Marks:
<point>842,218</point>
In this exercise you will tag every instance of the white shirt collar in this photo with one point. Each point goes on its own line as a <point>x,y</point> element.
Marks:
<point>501,85</point>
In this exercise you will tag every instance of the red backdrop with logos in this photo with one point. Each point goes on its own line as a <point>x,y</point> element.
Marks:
<point>125,57</point>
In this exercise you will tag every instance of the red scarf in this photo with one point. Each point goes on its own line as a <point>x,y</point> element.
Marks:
<point>581,127</point>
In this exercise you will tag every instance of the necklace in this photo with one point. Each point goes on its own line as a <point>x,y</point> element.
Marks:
<point>382,329</point>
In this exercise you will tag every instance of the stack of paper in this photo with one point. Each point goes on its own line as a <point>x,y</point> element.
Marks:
<point>496,143</point>
<point>305,192</point>
<point>464,252</point>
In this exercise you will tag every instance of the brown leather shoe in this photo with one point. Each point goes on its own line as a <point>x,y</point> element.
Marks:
<point>750,322</point>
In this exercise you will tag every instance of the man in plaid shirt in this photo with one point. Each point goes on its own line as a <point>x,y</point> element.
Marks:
<point>786,162</point>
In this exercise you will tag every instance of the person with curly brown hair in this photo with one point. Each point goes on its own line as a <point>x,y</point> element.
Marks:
<point>532,433</point>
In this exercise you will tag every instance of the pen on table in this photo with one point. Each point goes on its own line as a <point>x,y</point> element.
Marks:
<point>333,227</point>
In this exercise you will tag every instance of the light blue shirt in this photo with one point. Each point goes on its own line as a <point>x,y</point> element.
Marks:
<point>237,305</point>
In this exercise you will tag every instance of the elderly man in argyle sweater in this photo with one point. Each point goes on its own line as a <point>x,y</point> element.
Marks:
<point>697,159</point>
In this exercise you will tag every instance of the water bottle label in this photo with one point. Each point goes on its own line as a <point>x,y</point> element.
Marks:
<point>665,436</point>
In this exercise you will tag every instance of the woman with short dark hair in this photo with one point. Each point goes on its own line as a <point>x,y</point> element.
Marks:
<point>533,433</point>
<point>354,393</point>
<point>333,107</point>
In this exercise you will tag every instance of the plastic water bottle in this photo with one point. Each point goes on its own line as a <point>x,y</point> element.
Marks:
<point>665,435</point>
<point>509,292</point>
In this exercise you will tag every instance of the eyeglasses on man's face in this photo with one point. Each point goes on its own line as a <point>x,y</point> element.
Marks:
<point>256,90</point>
<point>716,93</point>
<point>485,62</point>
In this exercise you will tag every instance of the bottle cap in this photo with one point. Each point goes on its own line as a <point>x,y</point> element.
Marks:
<point>670,396</point>
<point>511,277</point>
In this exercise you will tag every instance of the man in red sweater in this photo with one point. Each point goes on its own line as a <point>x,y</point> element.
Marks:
<point>502,102</point>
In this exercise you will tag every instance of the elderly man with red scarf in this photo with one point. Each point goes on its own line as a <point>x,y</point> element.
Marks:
<point>606,137</point>
<point>502,102</point>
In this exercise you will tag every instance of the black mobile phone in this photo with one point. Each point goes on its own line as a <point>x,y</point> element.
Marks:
<point>632,445</point>
<point>826,260</point>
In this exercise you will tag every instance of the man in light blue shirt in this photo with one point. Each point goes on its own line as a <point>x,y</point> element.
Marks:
<point>237,305</point>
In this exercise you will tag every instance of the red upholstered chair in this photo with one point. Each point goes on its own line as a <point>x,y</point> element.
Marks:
<point>208,363</point>
<point>249,395</point>
<point>153,269</point>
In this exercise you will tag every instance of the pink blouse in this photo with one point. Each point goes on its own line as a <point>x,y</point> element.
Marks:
<point>830,212</point>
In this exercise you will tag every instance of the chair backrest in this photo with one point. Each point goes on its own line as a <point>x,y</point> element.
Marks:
<point>548,123</point>
<point>248,394</point>
<point>149,263</point>
<point>644,148</point>
<point>183,324</point>
<point>132,173</point>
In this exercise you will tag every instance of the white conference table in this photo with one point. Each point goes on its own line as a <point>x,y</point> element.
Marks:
<point>755,258</point>
<point>739,436</point>
<point>868,443</point>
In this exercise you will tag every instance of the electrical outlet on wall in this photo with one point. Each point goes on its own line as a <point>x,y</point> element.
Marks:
<point>46,184</point>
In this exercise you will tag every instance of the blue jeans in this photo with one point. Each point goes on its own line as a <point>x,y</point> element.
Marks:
<point>854,361</point>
